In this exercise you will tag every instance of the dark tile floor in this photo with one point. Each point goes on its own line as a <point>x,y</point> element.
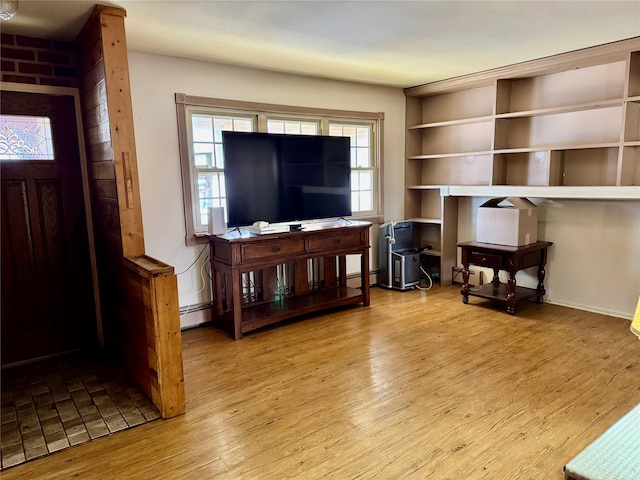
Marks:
<point>60,403</point>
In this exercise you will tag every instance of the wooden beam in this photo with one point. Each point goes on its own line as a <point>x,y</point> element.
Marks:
<point>118,92</point>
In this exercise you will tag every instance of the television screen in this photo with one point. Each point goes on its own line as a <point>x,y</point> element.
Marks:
<point>285,178</point>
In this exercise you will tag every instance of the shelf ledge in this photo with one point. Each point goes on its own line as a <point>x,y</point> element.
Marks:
<point>586,146</point>
<point>616,102</point>
<point>428,221</point>
<point>450,155</point>
<point>444,189</point>
<point>449,123</point>
<point>577,192</point>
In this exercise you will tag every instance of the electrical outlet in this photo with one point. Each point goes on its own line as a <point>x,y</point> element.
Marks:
<point>475,277</point>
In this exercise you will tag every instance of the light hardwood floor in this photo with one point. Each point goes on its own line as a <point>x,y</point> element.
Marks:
<point>416,386</point>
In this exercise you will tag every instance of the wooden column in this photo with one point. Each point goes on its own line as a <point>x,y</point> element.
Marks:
<point>139,294</point>
<point>113,44</point>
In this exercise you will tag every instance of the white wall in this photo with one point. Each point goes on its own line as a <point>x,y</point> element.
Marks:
<point>594,263</point>
<point>154,81</point>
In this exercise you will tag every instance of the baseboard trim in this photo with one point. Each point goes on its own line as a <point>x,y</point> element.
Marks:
<point>195,315</point>
<point>601,311</point>
<point>353,279</point>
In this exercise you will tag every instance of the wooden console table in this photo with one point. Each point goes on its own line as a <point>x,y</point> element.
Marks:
<point>262,279</point>
<point>504,257</point>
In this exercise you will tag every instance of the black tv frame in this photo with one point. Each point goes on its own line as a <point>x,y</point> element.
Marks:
<point>280,178</point>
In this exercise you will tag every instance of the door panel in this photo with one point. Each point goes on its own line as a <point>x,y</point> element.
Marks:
<point>47,290</point>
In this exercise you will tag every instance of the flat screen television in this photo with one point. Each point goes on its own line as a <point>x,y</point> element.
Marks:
<point>285,178</point>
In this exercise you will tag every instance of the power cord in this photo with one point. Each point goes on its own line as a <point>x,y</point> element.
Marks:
<point>428,278</point>
<point>204,282</point>
<point>392,240</point>
<point>194,262</point>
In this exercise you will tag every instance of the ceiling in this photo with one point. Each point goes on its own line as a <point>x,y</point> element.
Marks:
<point>394,42</point>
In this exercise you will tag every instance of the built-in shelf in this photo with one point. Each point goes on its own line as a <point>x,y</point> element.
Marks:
<point>563,127</point>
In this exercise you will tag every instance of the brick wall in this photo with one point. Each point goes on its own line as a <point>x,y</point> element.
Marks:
<point>38,61</point>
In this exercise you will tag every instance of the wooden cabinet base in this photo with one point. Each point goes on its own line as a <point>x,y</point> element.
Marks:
<point>261,280</point>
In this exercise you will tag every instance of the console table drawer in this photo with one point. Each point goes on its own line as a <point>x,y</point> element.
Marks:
<point>485,259</point>
<point>275,249</point>
<point>323,243</point>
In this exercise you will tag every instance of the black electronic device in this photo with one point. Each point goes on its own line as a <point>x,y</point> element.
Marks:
<point>285,178</point>
<point>398,261</point>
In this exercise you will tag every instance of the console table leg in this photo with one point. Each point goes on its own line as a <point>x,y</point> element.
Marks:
<point>511,293</point>
<point>342,270</point>
<point>217,292</point>
<point>540,290</point>
<point>464,291</point>
<point>364,278</point>
<point>236,304</point>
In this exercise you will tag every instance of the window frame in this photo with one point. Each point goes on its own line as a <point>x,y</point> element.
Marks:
<point>185,104</point>
<point>195,170</point>
<point>373,161</point>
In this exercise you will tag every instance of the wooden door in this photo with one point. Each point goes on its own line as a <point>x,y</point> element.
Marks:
<point>47,290</point>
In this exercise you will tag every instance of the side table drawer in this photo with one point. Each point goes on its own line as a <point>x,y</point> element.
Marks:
<point>484,259</point>
<point>323,243</point>
<point>272,249</point>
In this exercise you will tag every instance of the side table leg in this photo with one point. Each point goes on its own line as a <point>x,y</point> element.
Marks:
<point>496,277</point>
<point>464,291</point>
<point>511,293</point>
<point>540,290</point>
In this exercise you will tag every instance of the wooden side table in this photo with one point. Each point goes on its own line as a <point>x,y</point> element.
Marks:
<point>504,257</point>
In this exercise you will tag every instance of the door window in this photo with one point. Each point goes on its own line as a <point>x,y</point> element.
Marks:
<point>24,137</point>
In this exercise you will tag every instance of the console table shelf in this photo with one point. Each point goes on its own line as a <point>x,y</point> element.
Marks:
<point>263,314</point>
<point>261,280</point>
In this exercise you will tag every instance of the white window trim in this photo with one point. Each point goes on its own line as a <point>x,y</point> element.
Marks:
<point>186,102</point>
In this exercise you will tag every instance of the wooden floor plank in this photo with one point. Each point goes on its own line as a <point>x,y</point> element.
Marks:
<point>417,385</point>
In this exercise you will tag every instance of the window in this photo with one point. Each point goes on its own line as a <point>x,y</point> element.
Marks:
<point>362,171</point>
<point>24,137</point>
<point>292,127</point>
<point>201,122</point>
<point>208,160</point>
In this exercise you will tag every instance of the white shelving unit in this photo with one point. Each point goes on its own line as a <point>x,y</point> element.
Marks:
<point>566,126</point>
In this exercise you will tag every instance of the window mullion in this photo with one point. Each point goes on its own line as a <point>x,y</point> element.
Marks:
<point>262,122</point>
<point>324,126</point>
